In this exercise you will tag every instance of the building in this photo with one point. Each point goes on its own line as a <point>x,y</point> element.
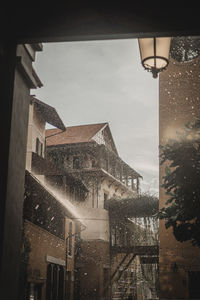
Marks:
<point>50,231</point>
<point>88,152</point>
<point>39,114</point>
<point>179,92</point>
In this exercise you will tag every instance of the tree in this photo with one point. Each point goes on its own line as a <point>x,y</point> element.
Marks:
<point>182,184</point>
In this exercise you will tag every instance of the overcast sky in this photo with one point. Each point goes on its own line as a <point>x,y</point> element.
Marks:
<point>104,81</point>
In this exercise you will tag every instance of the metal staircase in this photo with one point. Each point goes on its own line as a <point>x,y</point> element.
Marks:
<point>133,248</point>
<point>121,284</point>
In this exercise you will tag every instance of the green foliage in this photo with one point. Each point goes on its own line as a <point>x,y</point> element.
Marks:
<point>182,184</point>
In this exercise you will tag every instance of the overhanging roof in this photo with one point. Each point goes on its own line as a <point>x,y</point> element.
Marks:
<point>49,114</point>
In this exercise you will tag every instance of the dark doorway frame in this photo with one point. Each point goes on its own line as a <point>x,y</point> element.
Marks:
<point>72,22</point>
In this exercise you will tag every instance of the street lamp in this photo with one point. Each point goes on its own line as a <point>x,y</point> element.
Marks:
<point>154,54</point>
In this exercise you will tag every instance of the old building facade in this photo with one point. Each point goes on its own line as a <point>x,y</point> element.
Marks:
<point>50,231</point>
<point>89,153</point>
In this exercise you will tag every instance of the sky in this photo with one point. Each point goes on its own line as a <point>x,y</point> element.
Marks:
<point>103,81</point>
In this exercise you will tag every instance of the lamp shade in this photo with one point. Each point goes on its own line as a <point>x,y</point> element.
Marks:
<point>154,53</point>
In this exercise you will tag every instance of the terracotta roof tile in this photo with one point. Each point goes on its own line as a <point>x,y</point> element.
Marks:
<point>73,134</point>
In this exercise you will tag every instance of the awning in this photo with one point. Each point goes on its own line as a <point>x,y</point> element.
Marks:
<point>49,114</point>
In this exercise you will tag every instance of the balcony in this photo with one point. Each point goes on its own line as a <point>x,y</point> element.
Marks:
<point>104,174</point>
<point>91,157</point>
<point>42,166</point>
<point>118,169</point>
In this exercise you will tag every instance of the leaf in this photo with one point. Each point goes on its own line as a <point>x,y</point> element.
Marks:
<point>181,183</point>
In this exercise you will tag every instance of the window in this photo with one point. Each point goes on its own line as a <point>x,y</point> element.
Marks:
<point>105,199</point>
<point>72,192</point>
<point>41,149</point>
<point>93,193</point>
<point>69,250</point>
<point>124,179</point>
<point>93,163</point>
<point>37,145</point>
<point>135,183</point>
<point>68,284</point>
<point>54,283</point>
<point>113,235</point>
<point>35,291</point>
<point>61,283</point>
<point>76,162</point>
<point>129,182</point>
<point>77,285</point>
<point>106,282</point>
<point>67,160</point>
<point>49,283</point>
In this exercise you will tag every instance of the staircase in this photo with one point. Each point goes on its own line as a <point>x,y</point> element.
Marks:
<point>122,281</point>
<point>126,277</point>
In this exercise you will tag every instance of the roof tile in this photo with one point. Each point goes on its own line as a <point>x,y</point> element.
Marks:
<point>73,134</point>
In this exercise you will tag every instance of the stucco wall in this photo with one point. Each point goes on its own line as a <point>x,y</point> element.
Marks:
<point>36,129</point>
<point>92,210</point>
